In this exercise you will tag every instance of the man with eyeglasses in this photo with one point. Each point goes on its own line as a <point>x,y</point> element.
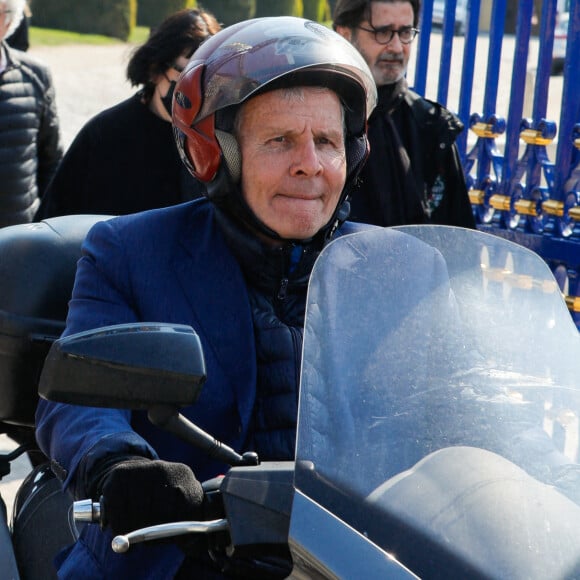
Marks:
<point>414,173</point>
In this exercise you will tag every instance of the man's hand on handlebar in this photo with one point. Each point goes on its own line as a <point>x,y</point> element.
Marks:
<point>141,492</point>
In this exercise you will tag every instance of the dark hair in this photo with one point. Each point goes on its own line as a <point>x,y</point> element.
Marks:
<point>179,34</point>
<point>351,13</point>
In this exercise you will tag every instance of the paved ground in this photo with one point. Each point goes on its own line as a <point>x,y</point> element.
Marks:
<point>87,80</point>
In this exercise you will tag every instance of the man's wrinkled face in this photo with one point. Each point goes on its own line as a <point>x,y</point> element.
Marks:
<point>388,62</point>
<point>293,158</point>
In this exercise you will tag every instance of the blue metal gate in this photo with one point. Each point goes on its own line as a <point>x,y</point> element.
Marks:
<point>528,188</point>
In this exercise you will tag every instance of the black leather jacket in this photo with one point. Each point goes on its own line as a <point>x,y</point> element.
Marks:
<point>414,173</point>
<point>30,147</point>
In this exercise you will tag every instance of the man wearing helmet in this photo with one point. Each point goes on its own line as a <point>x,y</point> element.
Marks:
<point>271,115</point>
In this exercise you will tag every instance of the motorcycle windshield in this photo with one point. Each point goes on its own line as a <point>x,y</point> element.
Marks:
<point>439,402</point>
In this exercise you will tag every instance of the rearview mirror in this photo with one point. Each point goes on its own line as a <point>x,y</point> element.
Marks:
<point>129,366</point>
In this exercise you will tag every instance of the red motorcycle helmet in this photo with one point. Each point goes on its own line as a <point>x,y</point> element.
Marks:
<point>253,57</point>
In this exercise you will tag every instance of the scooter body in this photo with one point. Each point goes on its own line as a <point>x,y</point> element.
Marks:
<point>438,430</point>
<point>439,418</point>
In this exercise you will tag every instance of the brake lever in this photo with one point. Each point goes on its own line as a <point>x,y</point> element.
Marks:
<point>87,510</point>
<point>122,543</point>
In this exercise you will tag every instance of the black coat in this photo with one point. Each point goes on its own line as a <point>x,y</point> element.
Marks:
<point>30,147</point>
<point>413,174</point>
<point>122,161</point>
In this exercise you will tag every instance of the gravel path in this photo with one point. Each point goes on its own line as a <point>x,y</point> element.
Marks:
<point>87,80</point>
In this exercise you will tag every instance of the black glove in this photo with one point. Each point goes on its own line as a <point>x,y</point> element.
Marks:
<point>142,492</point>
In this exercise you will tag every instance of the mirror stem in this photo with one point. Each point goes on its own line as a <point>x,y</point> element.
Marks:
<point>170,419</point>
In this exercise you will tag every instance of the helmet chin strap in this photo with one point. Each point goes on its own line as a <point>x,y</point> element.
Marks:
<point>340,216</point>
<point>236,207</point>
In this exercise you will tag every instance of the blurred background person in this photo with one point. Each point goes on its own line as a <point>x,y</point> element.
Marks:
<point>19,38</point>
<point>124,159</point>
<point>414,173</point>
<point>30,145</point>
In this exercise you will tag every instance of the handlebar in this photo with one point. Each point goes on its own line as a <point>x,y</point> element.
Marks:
<point>86,510</point>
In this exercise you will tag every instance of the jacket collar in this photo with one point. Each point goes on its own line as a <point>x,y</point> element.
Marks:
<point>389,96</point>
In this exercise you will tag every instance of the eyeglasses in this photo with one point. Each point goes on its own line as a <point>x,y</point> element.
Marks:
<point>2,12</point>
<point>385,34</point>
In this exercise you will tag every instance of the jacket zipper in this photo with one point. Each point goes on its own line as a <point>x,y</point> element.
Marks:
<point>283,288</point>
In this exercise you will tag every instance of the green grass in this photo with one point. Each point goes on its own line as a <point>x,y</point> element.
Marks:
<point>50,37</point>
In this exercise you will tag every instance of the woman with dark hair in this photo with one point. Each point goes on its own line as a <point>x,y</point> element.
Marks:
<point>125,159</point>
